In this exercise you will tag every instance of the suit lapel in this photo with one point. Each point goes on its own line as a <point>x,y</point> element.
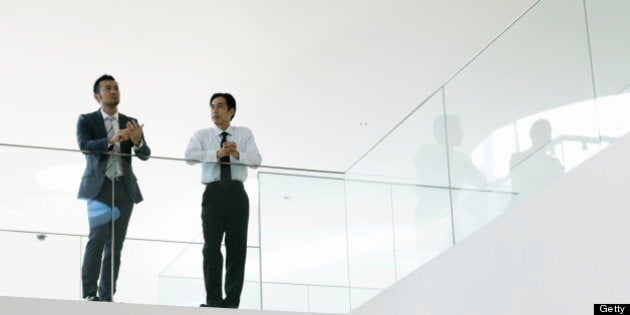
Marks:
<point>125,146</point>
<point>99,123</point>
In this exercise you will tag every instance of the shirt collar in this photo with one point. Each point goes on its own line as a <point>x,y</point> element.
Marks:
<point>105,115</point>
<point>217,132</point>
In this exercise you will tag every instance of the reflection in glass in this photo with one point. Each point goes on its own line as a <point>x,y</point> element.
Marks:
<point>466,180</point>
<point>422,225</point>
<point>540,168</point>
<point>448,133</point>
<point>414,144</point>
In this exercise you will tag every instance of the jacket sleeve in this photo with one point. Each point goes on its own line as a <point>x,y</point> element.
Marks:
<point>86,140</point>
<point>144,151</point>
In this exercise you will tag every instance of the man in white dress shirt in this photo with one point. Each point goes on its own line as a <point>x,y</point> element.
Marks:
<point>225,151</point>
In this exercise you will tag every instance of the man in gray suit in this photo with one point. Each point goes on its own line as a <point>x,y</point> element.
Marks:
<point>108,178</point>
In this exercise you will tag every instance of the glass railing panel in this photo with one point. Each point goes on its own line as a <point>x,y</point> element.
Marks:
<point>370,234</point>
<point>40,265</point>
<point>422,225</point>
<point>539,69</point>
<point>181,291</point>
<point>182,282</point>
<point>476,208</point>
<point>518,115</point>
<point>188,262</point>
<point>38,191</point>
<point>38,196</point>
<point>305,298</point>
<point>303,230</point>
<point>608,24</point>
<point>322,299</point>
<point>142,263</point>
<point>166,229</point>
<point>171,209</point>
<point>285,297</point>
<point>413,153</point>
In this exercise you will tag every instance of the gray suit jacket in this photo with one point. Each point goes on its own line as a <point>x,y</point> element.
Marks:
<point>92,136</point>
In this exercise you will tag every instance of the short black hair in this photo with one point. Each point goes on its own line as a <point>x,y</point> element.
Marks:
<point>231,102</point>
<point>97,83</point>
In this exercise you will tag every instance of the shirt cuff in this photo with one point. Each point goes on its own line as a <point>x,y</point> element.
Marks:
<point>139,146</point>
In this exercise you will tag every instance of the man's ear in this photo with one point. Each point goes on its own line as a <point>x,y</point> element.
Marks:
<point>97,97</point>
<point>231,112</point>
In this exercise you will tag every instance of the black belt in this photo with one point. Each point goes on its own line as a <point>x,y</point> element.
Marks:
<point>218,182</point>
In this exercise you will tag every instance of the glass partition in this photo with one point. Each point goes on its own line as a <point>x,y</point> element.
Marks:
<point>40,265</point>
<point>181,281</point>
<point>412,153</point>
<point>422,224</point>
<point>41,223</point>
<point>528,109</point>
<point>608,24</point>
<point>38,191</point>
<point>303,240</point>
<point>536,81</point>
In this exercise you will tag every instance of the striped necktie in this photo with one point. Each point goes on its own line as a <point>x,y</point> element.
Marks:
<point>114,162</point>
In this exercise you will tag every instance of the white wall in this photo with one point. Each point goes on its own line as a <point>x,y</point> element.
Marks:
<point>559,253</point>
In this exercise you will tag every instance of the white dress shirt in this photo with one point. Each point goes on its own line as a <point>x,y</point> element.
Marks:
<point>203,147</point>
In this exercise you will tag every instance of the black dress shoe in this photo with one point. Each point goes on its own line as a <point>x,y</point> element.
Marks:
<point>212,305</point>
<point>227,303</point>
<point>92,298</point>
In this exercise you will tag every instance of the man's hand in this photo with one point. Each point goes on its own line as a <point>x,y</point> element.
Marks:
<point>121,135</point>
<point>229,149</point>
<point>135,132</point>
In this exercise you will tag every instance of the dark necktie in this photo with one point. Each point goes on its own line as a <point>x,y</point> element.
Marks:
<point>226,171</point>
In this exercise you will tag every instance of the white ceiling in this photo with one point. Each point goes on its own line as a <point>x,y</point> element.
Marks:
<point>307,75</point>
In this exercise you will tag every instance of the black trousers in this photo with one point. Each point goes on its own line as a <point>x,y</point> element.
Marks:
<point>225,211</point>
<point>99,245</point>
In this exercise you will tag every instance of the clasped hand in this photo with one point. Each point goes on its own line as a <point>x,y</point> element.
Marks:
<point>132,132</point>
<point>228,149</point>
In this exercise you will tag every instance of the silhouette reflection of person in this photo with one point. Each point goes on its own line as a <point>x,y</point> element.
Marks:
<point>433,225</point>
<point>532,169</point>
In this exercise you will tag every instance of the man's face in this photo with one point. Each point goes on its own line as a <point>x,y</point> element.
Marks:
<point>108,93</point>
<point>220,113</point>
